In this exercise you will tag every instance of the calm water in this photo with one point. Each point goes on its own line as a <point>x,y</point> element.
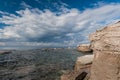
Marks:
<point>39,64</point>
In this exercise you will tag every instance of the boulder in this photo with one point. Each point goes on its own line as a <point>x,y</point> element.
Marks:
<point>105,44</point>
<point>84,48</point>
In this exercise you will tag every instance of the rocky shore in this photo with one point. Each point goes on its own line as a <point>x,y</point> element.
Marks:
<point>105,64</point>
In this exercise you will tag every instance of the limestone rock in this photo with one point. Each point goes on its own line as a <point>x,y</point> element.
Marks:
<point>83,62</point>
<point>84,48</point>
<point>105,44</point>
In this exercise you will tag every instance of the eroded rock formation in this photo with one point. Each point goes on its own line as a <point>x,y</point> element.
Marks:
<point>106,48</point>
<point>83,62</point>
<point>84,48</point>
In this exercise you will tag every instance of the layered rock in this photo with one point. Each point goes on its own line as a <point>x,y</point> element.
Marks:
<point>81,70</point>
<point>105,44</point>
<point>84,48</point>
<point>83,62</point>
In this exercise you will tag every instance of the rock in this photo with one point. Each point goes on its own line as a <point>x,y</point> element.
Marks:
<point>76,75</point>
<point>81,70</point>
<point>5,51</point>
<point>83,62</point>
<point>105,44</point>
<point>81,76</point>
<point>87,76</point>
<point>84,48</point>
<point>69,75</point>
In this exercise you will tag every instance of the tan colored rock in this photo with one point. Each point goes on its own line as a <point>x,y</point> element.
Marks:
<point>84,48</point>
<point>83,62</point>
<point>105,44</point>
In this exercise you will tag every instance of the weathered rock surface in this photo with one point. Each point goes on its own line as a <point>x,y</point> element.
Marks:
<point>83,62</point>
<point>81,70</point>
<point>84,48</point>
<point>105,44</point>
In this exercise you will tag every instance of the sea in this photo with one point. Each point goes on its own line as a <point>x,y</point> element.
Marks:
<point>37,64</point>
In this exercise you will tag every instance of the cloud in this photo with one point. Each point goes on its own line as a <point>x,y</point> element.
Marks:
<point>44,27</point>
<point>25,5</point>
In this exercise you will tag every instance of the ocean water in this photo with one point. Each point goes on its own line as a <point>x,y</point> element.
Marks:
<point>37,64</point>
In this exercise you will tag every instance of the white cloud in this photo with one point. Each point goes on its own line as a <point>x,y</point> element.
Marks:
<point>68,27</point>
<point>24,5</point>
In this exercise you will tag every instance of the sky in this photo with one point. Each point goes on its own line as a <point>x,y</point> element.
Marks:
<point>53,23</point>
